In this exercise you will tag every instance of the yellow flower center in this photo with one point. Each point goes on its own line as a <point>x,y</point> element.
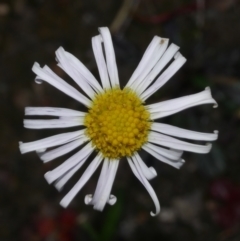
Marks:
<point>117,123</point>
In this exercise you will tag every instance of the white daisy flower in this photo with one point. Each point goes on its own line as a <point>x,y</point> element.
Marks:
<point>118,122</point>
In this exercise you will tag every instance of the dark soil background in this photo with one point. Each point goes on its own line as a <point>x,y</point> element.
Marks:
<point>201,201</point>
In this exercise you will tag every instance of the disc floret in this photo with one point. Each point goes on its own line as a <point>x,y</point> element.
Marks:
<point>117,123</point>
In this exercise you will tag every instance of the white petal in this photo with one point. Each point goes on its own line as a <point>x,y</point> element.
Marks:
<point>149,172</point>
<point>101,181</point>
<point>183,133</point>
<point>101,63</point>
<point>112,200</point>
<point>56,140</point>
<point>110,56</point>
<point>138,173</point>
<point>62,150</point>
<point>105,194</point>
<point>62,180</point>
<point>170,107</point>
<point>53,123</point>
<point>85,177</point>
<point>153,62</point>
<point>165,76</point>
<point>82,181</point>
<point>47,75</point>
<point>175,163</point>
<point>171,142</point>
<point>65,64</point>
<point>81,69</point>
<point>79,157</point>
<point>53,111</point>
<point>170,154</point>
<point>163,61</point>
<point>88,199</point>
<point>145,59</point>
<point>165,105</point>
<point>41,150</point>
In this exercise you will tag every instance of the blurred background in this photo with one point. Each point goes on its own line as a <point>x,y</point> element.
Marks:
<point>201,201</point>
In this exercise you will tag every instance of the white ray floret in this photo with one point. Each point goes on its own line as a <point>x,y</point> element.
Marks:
<point>183,133</point>
<point>101,182</point>
<point>151,64</point>
<point>107,187</point>
<point>65,64</point>
<point>53,112</point>
<point>148,172</point>
<point>174,163</point>
<point>62,150</point>
<point>47,75</point>
<point>48,142</point>
<point>153,46</point>
<point>168,153</point>
<point>53,123</point>
<point>174,143</point>
<point>82,181</point>
<point>164,77</point>
<point>110,56</point>
<point>102,193</point>
<point>140,176</point>
<point>101,64</point>
<point>170,107</point>
<point>80,68</point>
<point>79,157</point>
<point>158,64</point>
<point>162,62</point>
